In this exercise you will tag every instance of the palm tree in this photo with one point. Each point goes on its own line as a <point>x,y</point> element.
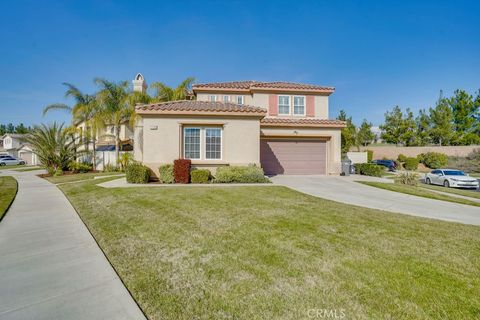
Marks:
<point>85,110</point>
<point>165,93</point>
<point>53,146</point>
<point>117,102</point>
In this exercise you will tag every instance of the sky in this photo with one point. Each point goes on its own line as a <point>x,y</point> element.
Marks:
<point>377,54</point>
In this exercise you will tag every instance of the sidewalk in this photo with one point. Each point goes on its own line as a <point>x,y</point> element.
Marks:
<point>50,265</point>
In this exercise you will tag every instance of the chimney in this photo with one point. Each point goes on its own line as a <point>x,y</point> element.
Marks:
<point>139,84</point>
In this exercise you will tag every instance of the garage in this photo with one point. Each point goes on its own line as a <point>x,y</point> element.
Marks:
<point>26,156</point>
<point>293,156</point>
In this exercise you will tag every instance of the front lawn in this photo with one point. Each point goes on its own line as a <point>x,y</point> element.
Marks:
<point>419,191</point>
<point>462,192</point>
<point>8,190</point>
<point>273,253</point>
<point>81,176</point>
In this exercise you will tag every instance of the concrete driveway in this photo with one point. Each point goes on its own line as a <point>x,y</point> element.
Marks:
<point>346,190</point>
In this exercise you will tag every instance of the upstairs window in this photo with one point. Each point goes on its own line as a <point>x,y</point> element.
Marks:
<point>213,98</point>
<point>284,105</point>
<point>226,99</point>
<point>299,106</point>
<point>239,99</point>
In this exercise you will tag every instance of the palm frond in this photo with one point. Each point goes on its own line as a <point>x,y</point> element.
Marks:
<point>56,106</point>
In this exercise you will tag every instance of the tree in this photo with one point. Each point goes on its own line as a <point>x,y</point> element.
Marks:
<point>441,119</point>
<point>408,129</point>
<point>365,135</point>
<point>465,114</point>
<point>52,145</point>
<point>348,138</point>
<point>165,93</point>
<point>3,129</point>
<point>10,128</point>
<point>21,129</point>
<point>393,126</point>
<point>423,127</point>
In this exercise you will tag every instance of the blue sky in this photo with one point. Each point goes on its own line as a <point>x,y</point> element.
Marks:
<point>376,53</point>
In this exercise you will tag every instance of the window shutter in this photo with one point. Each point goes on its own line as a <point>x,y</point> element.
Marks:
<point>272,105</point>
<point>310,106</point>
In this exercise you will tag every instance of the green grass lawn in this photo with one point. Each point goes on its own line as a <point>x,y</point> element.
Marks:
<point>11,167</point>
<point>419,191</point>
<point>273,253</point>
<point>81,176</point>
<point>462,192</point>
<point>8,190</point>
<point>25,169</point>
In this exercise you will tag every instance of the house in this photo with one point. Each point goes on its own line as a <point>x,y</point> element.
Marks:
<point>14,145</point>
<point>281,126</point>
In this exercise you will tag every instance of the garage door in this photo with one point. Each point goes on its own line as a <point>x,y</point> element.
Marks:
<point>27,157</point>
<point>293,156</point>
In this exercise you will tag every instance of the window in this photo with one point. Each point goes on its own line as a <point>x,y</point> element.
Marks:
<point>213,143</point>
<point>202,143</point>
<point>298,105</point>
<point>239,99</point>
<point>213,98</point>
<point>283,104</point>
<point>191,143</point>
<point>226,98</point>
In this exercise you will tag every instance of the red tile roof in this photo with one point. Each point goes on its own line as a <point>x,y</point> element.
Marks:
<point>262,86</point>
<point>195,106</point>
<point>302,122</point>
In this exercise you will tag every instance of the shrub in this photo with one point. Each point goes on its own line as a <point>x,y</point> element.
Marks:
<point>58,172</point>
<point>401,158</point>
<point>369,169</point>
<point>125,160</point>
<point>79,167</point>
<point>433,160</point>
<point>369,155</point>
<point>238,174</point>
<point>137,173</point>
<point>110,168</point>
<point>200,176</point>
<point>166,173</point>
<point>411,163</point>
<point>407,178</point>
<point>181,170</point>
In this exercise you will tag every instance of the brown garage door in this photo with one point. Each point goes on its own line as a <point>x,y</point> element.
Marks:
<point>293,156</point>
<point>27,157</point>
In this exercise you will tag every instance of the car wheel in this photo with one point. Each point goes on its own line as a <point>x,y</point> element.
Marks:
<point>427,181</point>
<point>2,164</point>
<point>22,163</point>
<point>446,184</point>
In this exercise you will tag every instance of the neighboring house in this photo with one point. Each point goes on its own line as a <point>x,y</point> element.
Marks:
<point>281,126</point>
<point>14,145</point>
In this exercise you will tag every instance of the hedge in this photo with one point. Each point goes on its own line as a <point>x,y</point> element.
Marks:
<point>239,174</point>
<point>401,158</point>
<point>411,163</point>
<point>181,170</point>
<point>369,169</point>
<point>433,160</point>
<point>137,173</point>
<point>166,173</point>
<point>200,176</point>
<point>369,155</point>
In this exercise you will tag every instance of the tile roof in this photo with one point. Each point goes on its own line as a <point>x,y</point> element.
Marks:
<point>259,85</point>
<point>302,122</point>
<point>195,106</point>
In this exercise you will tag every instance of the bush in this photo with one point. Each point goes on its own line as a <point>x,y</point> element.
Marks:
<point>79,167</point>
<point>200,176</point>
<point>369,155</point>
<point>237,174</point>
<point>137,173</point>
<point>110,168</point>
<point>411,163</point>
<point>369,169</point>
<point>181,170</point>
<point>433,160</point>
<point>166,173</point>
<point>58,172</point>
<point>401,158</point>
<point>125,160</point>
<point>407,178</point>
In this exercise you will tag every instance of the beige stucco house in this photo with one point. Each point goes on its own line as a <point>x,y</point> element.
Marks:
<point>13,144</point>
<point>283,127</point>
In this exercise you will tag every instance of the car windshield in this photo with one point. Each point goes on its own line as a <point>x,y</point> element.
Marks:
<point>454,173</point>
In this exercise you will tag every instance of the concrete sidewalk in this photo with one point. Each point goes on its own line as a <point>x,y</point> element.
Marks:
<point>50,265</point>
<point>346,190</point>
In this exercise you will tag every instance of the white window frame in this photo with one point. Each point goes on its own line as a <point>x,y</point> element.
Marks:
<point>184,141</point>
<point>203,142</point>
<point>289,105</point>
<point>304,106</point>
<point>240,100</point>
<point>213,98</point>
<point>226,98</point>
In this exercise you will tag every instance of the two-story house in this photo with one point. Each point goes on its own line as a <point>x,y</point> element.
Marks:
<point>282,127</point>
<point>14,145</point>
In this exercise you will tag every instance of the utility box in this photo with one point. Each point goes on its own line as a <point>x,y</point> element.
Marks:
<point>346,166</point>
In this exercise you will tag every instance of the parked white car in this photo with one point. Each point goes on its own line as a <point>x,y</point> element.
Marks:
<point>451,178</point>
<point>10,161</point>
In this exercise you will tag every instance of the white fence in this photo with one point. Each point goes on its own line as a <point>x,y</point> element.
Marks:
<point>104,158</point>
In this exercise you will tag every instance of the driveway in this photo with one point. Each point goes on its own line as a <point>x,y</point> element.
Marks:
<point>50,265</point>
<point>346,190</point>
